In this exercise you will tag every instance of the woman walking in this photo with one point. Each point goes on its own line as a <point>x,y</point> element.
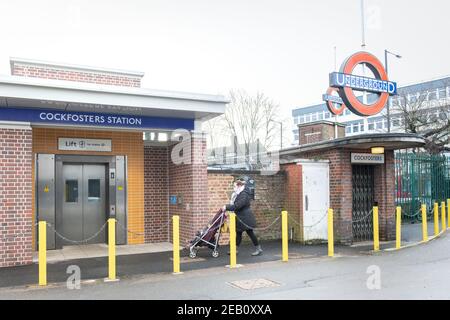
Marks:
<point>240,204</point>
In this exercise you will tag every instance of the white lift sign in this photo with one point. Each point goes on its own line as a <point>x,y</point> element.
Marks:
<point>80,144</point>
<point>367,158</point>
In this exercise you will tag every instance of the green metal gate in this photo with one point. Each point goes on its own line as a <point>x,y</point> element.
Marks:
<point>420,179</point>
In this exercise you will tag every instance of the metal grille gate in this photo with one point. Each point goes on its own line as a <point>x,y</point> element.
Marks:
<point>420,178</point>
<point>363,201</point>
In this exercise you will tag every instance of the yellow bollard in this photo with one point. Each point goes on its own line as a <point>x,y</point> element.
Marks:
<point>176,244</point>
<point>436,219</point>
<point>284,236</point>
<point>444,223</point>
<point>398,242</point>
<point>232,240</point>
<point>42,241</point>
<point>330,233</point>
<point>448,213</point>
<point>112,249</point>
<point>376,236</point>
<point>424,223</point>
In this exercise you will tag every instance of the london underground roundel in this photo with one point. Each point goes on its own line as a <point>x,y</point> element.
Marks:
<point>346,83</point>
<point>334,103</point>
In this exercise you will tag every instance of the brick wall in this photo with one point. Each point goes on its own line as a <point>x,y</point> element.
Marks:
<point>15,197</point>
<point>131,144</point>
<point>269,198</point>
<point>67,74</point>
<point>318,131</point>
<point>190,183</point>
<point>385,196</point>
<point>156,194</point>
<point>294,197</point>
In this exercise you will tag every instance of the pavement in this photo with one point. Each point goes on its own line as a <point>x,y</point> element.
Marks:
<point>417,273</point>
<point>160,263</point>
<point>101,250</point>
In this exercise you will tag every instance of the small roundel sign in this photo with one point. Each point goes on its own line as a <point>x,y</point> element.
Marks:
<point>347,85</point>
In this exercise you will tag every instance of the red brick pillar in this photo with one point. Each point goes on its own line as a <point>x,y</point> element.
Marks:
<point>294,197</point>
<point>384,195</point>
<point>189,182</point>
<point>341,198</point>
<point>15,195</point>
<point>156,189</point>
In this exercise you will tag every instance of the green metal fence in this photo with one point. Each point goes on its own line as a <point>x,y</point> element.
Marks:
<point>420,179</point>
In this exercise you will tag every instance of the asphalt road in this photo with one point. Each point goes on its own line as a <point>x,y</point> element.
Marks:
<point>421,272</point>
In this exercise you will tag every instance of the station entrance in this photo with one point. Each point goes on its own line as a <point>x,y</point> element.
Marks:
<point>84,202</point>
<point>77,194</point>
<point>363,193</point>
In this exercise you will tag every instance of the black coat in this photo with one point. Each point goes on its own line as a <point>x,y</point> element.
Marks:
<point>243,211</point>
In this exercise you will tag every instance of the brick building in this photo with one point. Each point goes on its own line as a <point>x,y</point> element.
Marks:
<point>361,175</point>
<point>81,144</point>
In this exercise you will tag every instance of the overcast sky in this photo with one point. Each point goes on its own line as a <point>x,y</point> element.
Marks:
<point>283,48</point>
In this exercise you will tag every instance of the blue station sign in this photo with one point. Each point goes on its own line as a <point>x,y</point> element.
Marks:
<point>59,117</point>
<point>342,80</point>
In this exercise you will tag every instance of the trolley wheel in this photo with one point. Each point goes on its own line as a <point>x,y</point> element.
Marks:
<point>215,254</point>
<point>192,254</point>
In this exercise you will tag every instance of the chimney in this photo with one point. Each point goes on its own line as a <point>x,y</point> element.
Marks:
<point>320,131</point>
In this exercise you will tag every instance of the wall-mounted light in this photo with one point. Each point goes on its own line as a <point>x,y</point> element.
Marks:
<point>378,150</point>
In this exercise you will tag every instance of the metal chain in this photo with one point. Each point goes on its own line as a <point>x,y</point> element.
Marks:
<point>76,241</point>
<point>364,218</point>
<point>414,215</point>
<point>311,226</point>
<point>141,234</point>
<point>259,229</point>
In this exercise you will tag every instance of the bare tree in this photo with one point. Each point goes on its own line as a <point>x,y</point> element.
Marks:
<point>251,119</point>
<point>248,120</point>
<point>424,114</point>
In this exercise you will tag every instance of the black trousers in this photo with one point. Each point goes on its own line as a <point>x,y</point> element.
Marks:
<point>250,233</point>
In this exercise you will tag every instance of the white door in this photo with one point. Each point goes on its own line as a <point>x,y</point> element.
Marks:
<point>316,200</point>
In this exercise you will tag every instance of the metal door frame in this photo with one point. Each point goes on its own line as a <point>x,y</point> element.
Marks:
<point>110,201</point>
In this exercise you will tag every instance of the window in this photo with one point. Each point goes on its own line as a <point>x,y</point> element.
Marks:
<point>314,117</point>
<point>320,115</point>
<point>371,126</point>
<point>327,115</point>
<point>301,119</point>
<point>348,129</point>
<point>396,123</point>
<point>162,136</point>
<point>355,127</point>
<point>379,125</point>
<point>71,191</point>
<point>431,96</point>
<point>442,93</point>
<point>362,127</point>
<point>93,189</point>
<point>308,118</point>
<point>295,120</point>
